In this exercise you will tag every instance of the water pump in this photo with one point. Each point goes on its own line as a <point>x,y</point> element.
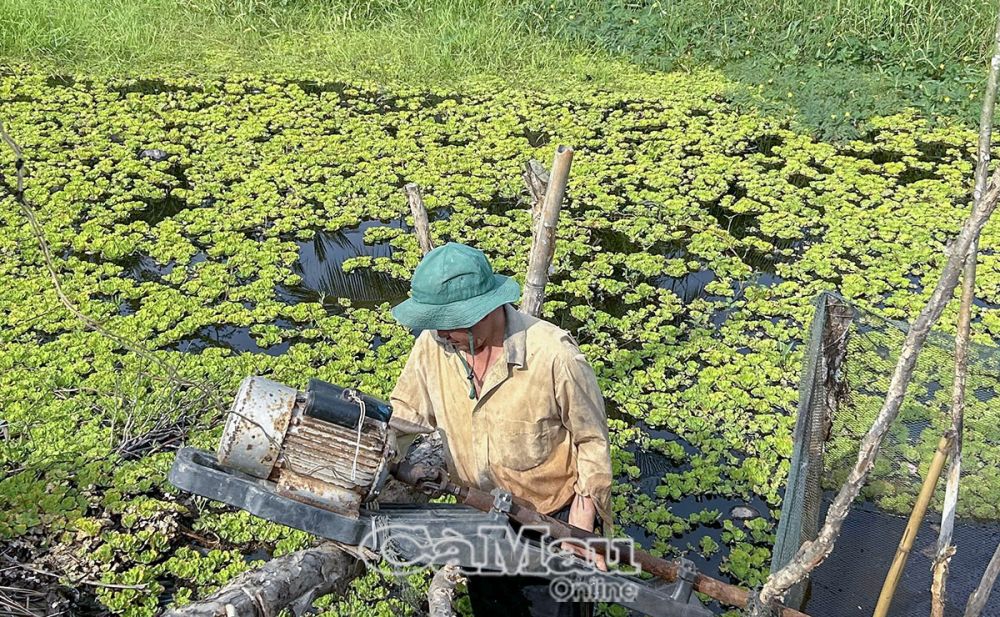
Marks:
<point>327,446</point>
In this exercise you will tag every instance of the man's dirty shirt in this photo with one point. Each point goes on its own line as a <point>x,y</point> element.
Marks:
<point>538,428</point>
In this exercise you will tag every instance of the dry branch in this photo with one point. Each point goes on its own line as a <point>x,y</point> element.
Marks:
<point>537,180</point>
<point>977,601</point>
<point>421,224</point>
<point>811,554</point>
<point>945,550</point>
<point>23,602</point>
<point>442,590</point>
<point>543,242</point>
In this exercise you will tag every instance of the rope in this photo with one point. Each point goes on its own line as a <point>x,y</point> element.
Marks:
<point>355,396</point>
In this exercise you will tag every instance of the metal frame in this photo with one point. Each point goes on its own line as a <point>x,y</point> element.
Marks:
<point>473,537</point>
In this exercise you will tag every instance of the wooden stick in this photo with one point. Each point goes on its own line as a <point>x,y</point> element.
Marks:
<point>442,590</point>
<point>912,526</point>
<point>939,574</point>
<point>543,241</point>
<point>977,601</point>
<point>421,224</point>
<point>537,180</point>
<point>944,548</point>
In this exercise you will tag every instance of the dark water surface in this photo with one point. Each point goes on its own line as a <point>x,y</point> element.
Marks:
<point>849,581</point>
<point>321,262</point>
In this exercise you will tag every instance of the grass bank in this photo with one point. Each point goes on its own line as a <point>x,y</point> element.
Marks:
<point>826,64</point>
<point>428,43</point>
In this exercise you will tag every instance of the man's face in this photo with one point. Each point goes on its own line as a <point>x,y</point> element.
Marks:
<point>458,338</point>
<point>481,332</point>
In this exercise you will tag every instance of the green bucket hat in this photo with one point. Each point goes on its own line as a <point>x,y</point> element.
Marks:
<point>454,287</point>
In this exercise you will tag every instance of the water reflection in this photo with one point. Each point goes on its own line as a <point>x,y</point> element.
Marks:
<point>143,268</point>
<point>157,211</point>
<point>688,287</point>
<point>234,338</point>
<point>320,265</point>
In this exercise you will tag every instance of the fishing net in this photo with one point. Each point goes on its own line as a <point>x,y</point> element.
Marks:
<point>849,360</point>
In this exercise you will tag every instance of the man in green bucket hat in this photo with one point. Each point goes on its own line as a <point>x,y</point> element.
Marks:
<point>515,402</point>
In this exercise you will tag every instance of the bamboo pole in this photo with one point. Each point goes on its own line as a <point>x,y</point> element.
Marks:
<point>912,526</point>
<point>543,242</point>
<point>421,224</point>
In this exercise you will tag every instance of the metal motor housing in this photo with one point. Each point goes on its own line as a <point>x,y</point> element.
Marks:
<point>277,433</point>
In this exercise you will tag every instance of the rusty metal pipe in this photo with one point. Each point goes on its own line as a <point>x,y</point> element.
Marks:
<point>435,480</point>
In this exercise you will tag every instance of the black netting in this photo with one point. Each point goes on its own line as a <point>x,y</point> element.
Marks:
<point>851,356</point>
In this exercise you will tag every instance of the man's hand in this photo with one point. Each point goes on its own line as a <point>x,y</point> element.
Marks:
<point>581,514</point>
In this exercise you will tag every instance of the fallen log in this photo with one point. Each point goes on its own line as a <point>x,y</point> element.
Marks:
<point>291,582</point>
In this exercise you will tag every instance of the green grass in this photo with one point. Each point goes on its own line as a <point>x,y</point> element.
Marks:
<point>431,42</point>
<point>925,32</point>
<point>826,64</point>
<point>818,60</point>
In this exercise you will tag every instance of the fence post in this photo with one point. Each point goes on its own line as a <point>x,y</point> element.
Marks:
<point>543,242</point>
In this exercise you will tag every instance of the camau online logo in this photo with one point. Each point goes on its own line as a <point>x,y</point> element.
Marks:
<point>498,550</point>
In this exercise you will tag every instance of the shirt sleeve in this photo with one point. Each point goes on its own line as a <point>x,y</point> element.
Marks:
<point>412,412</point>
<point>582,408</point>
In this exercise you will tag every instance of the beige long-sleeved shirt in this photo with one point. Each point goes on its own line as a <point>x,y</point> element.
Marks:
<point>538,428</point>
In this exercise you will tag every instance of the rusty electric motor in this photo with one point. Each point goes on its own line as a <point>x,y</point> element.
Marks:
<point>327,446</point>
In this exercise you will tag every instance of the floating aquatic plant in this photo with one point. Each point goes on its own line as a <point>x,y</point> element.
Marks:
<point>257,226</point>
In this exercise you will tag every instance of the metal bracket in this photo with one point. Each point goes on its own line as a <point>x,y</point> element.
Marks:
<point>686,573</point>
<point>502,500</point>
